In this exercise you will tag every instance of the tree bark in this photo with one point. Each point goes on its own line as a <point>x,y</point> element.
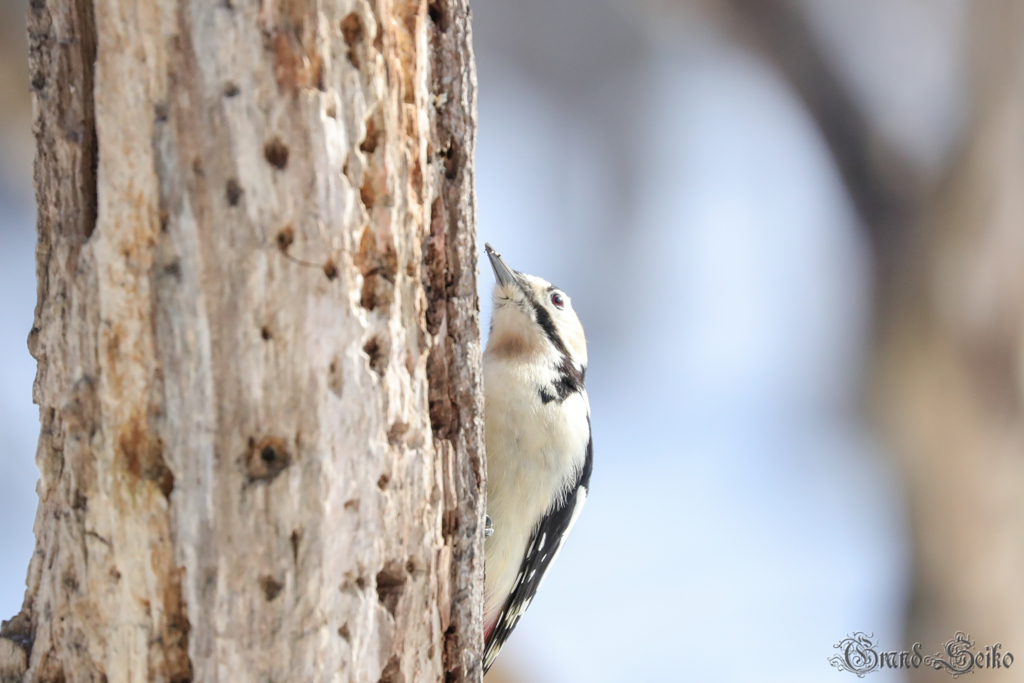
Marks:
<point>258,344</point>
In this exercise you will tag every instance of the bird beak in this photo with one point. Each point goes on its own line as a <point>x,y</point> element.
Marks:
<point>502,273</point>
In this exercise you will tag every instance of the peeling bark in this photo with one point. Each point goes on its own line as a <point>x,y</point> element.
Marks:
<point>258,344</point>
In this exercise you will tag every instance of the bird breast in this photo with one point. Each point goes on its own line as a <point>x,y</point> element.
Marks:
<point>534,452</point>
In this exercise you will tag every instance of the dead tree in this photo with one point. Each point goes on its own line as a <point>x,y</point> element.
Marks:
<point>258,344</point>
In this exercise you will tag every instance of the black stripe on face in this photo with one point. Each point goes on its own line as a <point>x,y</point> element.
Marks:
<point>546,323</point>
<point>570,379</point>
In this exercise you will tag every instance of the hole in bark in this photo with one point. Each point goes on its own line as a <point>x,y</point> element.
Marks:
<point>143,457</point>
<point>383,482</point>
<point>285,238</point>
<point>233,191</point>
<point>377,350</point>
<point>361,583</point>
<point>336,379</point>
<point>367,195</point>
<point>438,16</point>
<point>397,432</point>
<point>452,161</point>
<point>373,133</point>
<point>276,153</point>
<point>267,459</point>
<point>377,291</point>
<point>164,479</point>
<point>392,673</point>
<point>160,112</point>
<point>390,585</point>
<point>295,539</point>
<point>266,333</point>
<point>231,90</point>
<point>354,33</point>
<point>271,587</point>
<point>352,29</point>
<point>320,76</point>
<point>379,269</point>
<point>330,270</point>
<point>38,81</point>
<point>344,632</point>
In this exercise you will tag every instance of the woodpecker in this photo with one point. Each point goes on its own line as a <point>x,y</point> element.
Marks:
<point>539,447</point>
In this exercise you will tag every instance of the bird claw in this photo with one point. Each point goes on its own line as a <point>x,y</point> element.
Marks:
<point>488,527</point>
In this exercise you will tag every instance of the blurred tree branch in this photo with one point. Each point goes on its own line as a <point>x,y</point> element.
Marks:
<point>948,376</point>
<point>884,189</point>
<point>15,103</point>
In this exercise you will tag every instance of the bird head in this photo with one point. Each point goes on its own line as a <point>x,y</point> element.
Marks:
<point>533,319</point>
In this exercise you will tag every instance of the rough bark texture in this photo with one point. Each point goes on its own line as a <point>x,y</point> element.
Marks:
<point>258,344</point>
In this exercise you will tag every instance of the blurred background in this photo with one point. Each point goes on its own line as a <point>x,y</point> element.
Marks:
<point>794,232</point>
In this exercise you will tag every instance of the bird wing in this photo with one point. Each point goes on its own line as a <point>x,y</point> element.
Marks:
<point>545,543</point>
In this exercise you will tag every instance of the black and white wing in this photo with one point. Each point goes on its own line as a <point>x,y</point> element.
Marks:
<point>545,543</point>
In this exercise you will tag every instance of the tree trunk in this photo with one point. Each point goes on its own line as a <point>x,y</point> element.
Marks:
<point>258,344</point>
<point>949,377</point>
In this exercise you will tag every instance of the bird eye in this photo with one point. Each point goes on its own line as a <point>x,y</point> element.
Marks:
<point>557,300</point>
